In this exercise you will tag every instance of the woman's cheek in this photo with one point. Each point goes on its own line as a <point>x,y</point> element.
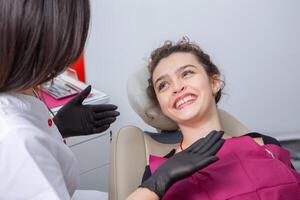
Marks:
<point>163,103</point>
<point>160,101</point>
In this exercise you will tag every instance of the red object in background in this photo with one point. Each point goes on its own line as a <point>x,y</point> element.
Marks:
<point>78,65</point>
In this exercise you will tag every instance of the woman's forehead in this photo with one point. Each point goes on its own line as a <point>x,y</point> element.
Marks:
<point>173,63</point>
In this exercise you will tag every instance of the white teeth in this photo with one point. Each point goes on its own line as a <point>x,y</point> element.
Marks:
<point>184,100</point>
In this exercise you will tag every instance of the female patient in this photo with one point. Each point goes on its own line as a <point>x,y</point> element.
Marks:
<point>187,86</point>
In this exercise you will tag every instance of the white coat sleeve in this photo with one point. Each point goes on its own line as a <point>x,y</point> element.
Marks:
<point>29,169</point>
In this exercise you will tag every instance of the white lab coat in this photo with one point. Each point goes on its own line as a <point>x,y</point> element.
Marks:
<point>35,164</point>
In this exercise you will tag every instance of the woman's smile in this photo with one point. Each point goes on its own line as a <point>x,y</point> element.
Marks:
<point>184,101</point>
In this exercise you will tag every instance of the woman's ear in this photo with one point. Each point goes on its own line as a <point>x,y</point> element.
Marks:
<point>216,83</point>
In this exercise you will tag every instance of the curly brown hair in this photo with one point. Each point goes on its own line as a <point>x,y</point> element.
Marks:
<point>186,46</point>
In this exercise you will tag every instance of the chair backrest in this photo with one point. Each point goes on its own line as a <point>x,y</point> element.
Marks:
<point>131,146</point>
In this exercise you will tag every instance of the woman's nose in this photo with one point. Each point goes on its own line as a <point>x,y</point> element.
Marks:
<point>179,87</point>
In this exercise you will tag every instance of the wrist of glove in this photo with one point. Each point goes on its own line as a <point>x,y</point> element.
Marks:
<point>158,183</point>
<point>75,119</point>
<point>185,163</point>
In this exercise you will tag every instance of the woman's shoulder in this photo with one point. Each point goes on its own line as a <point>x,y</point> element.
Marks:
<point>263,139</point>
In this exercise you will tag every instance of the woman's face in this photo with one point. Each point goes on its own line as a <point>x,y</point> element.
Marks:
<point>183,88</point>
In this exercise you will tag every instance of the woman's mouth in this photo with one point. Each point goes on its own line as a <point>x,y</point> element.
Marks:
<point>185,100</point>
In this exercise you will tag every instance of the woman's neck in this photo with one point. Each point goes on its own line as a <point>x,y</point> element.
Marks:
<point>27,92</point>
<point>200,128</point>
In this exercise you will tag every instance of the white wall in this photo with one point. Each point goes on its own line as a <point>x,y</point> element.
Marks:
<point>255,43</point>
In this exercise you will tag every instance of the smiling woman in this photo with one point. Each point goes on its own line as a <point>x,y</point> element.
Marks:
<point>186,84</point>
<point>183,46</point>
<point>183,88</point>
<point>187,87</point>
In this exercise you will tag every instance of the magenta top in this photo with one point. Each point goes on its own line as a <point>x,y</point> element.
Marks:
<point>245,171</point>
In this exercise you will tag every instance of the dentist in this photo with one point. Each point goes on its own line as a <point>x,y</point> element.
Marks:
<point>39,39</point>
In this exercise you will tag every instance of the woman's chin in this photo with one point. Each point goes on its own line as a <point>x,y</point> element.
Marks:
<point>185,117</point>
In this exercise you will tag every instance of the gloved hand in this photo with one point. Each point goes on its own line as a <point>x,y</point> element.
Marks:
<point>75,119</point>
<point>185,163</point>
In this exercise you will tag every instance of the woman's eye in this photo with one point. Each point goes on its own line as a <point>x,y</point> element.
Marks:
<point>162,85</point>
<point>187,73</point>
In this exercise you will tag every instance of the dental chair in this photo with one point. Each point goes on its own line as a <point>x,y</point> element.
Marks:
<point>131,145</point>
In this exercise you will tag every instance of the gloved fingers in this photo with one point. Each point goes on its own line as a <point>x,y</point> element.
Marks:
<point>214,148</point>
<point>205,162</point>
<point>78,99</point>
<point>106,114</point>
<point>209,142</point>
<point>196,146</point>
<point>101,129</point>
<point>105,121</point>
<point>102,107</point>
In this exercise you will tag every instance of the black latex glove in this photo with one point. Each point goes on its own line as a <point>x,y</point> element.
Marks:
<point>185,163</point>
<point>75,119</point>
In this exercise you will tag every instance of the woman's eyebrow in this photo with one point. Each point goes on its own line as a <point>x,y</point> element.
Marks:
<point>185,66</point>
<point>179,69</point>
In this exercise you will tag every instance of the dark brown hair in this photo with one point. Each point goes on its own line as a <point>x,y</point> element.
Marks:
<point>184,45</point>
<point>39,39</point>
